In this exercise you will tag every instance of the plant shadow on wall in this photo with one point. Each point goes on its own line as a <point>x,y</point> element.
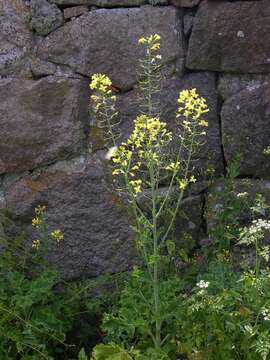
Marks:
<point>215,309</point>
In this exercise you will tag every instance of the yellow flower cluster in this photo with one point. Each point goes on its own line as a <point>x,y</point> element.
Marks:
<point>191,105</point>
<point>149,133</point>
<point>57,235</point>
<point>36,244</point>
<point>173,166</point>
<point>143,146</point>
<point>136,185</point>
<point>37,221</point>
<point>151,41</point>
<point>101,83</point>
<point>266,151</point>
<point>183,183</point>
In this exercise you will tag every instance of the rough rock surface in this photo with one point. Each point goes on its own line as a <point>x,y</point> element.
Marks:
<point>45,17</point>
<point>15,38</point>
<point>246,129</point>
<point>85,51</point>
<point>82,204</point>
<point>231,36</point>
<point>42,68</point>
<point>75,11</point>
<point>102,3</point>
<point>231,84</point>
<point>185,3</point>
<point>41,121</point>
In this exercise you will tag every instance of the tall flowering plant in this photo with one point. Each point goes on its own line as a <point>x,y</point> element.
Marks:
<point>141,164</point>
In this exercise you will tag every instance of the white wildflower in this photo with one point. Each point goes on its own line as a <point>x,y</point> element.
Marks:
<point>203,284</point>
<point>243,194</point>
<point>110,152</point>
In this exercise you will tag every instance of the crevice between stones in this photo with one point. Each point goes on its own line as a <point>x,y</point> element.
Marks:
<point>219,108</point>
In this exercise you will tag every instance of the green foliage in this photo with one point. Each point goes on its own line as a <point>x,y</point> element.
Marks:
<point>133,321</point>
<point>34,317</point>
<point>226,320</point>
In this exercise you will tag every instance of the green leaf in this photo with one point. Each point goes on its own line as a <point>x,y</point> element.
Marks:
<point>82,355</point>
<point>110,352</point>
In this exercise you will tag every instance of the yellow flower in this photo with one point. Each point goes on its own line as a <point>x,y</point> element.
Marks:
<point>39,210</point>
<point>36,244</point>
<point>173,166</point>
<point>36,222</point>
<point>203,123</point>
<point>152,42</point>
<point>192,105</point>
<point>266,151</point>
<point>183,184</point>
<point>192,179</point>
<point>57,235</point>
<point>136,185</point>
<point>101,83</point>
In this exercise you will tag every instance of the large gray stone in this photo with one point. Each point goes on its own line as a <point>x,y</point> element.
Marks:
<point>185,3</point>
<point>75,11</point>
<point>231,36</point>
<point>231,84</point>
<point>81,202</point>
<point>45,17</point>
<point>102,3</point>
<point>41,121</point>
<point>210,155</point>
<point>106,41</point>
<point>15,38</point>
<point>246,130</point>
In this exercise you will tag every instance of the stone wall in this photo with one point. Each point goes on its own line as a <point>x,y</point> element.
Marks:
<point>50,155</point>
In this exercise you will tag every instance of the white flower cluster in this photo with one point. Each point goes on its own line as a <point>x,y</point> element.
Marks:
<point>241,195</point>
<point>203,284</point>
<point>259,225</point>
<point>266,314</point>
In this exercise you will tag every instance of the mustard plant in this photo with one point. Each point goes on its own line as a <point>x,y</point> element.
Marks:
<point>141,164</point>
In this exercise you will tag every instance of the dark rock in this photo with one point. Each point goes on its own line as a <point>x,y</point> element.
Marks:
<point>15,38</point>
<point>108,49</point>
<point>185,3</point>
<point>102,3</point>
<point>246,131</point>
<point>75,11</point>
<point>41,121</point>
<point>231,36</point>
<point>231,84</point>
<point>45,17</point>
<point>42,68</point>
<point>188,23</point>
<point>80,201</point>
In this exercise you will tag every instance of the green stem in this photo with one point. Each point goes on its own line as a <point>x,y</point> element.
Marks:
<point>156,259</point>
<point>180,198</point>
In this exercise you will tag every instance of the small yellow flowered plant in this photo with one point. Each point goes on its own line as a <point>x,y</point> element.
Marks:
<point>57,235</point>
<point>104,110</point>
<point>39,223</point>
